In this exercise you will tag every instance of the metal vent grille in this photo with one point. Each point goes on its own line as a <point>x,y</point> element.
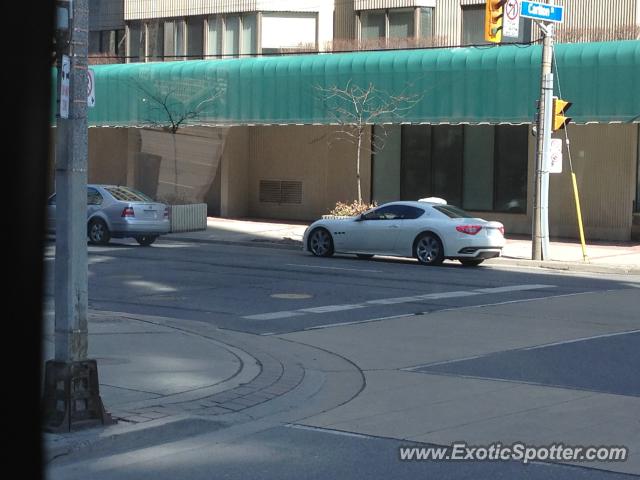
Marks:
<point>280,191</point>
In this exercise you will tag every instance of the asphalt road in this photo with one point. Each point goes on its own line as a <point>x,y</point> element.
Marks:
<point>544,360</point>
<point>267,290</point>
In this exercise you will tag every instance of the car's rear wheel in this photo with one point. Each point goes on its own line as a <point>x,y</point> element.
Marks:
<point>320,243</point>
<point>146,240</point>
<point>429,250</point>
<point>471,262</point>
<point>98,232</point>
<point>364,256</point>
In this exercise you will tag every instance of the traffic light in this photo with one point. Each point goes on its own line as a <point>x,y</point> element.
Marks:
<point>560,108</point>
<point>493,20</point>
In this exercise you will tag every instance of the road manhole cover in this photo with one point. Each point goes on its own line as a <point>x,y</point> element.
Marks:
<point>292,296</point>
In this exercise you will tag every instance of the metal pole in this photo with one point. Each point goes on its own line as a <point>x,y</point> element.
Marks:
<point>71,197</point>
<point>543,131</point>
<point>71,390</point>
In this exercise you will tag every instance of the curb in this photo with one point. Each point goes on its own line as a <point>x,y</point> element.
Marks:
<point>518,262</point>
<point>282,244</point>
<point>565,266</point>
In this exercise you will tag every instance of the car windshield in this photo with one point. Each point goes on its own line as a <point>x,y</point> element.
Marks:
<point>453,212</point>
<point>127,194</point>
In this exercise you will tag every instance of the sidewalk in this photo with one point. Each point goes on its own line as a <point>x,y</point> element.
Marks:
<point>602,257</point>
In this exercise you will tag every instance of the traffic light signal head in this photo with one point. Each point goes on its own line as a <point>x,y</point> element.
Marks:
<point>493,20</point>
<point>560,108</point>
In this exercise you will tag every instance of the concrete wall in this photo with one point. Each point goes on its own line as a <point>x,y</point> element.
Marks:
<point>108,154</point>
<point>311,155</point>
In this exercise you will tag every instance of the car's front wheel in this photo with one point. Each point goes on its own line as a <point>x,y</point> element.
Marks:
<point>98,232</point>
<point>429,250</point>
<point>320,243</point>
<point>146,240</point>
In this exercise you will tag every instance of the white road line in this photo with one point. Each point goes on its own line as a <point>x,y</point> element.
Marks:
<point>512,288</point>
<point>331,308</point>
<point>391,301</point>
<point>334,268</point>
<point>273,315</point>
<point>459,293</point>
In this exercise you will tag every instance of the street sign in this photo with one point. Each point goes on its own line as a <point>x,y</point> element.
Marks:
<point>65,72</point>
<point>555,156</point>
<point>511,19</point>
<point>91,89</point>
<point>542,11</point>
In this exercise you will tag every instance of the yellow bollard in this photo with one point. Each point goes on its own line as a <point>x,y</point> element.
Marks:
<point>575,192</point>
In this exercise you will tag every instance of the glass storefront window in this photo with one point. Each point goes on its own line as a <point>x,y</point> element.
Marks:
<point>481,168</point>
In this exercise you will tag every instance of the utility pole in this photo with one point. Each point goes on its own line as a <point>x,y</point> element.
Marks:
<point>540,229</point>
<point>71,393</point>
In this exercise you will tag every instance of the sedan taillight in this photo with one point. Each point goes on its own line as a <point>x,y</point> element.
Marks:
<point>128,212</point>
<point>469,229</point>
<point>501,230</point>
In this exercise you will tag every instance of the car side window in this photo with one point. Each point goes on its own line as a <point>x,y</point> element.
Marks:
<point>411,213</point>
<point>93,197</point>
<point>392,212</point>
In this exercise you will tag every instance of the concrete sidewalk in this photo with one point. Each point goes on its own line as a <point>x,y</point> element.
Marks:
<point>602,257</point>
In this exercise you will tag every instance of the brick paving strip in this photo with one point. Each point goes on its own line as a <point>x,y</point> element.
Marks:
<point>275,378</point>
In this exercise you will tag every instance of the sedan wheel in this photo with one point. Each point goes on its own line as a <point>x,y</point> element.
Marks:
<point>429,250</point>
<point>146,240</point>
<point>320,243</point>
<point>98,232</point>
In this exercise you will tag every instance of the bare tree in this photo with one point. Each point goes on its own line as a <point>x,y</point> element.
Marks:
<point>355,108</point>
<point>171,110</point>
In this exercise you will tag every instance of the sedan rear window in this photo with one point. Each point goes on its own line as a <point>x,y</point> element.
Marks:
<point>452,212</point>
<point>126,194</point>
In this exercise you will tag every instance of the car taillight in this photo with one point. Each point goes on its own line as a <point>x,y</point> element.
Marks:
<point>128,212</point>
<point>501,230</point>
<point>469,229</point>
<point>166,212</point>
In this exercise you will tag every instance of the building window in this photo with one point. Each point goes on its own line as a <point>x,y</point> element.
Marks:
<point>174,39</point>
<point>473,25</point>
<point>373,25</point>
<point>155,41</point>
<point>288,32</point>
<point>231,35</point>
<point>399,27</point>
<point>481,168</point>
<point>136,42</point>
<point>195,37</point>
<point>214,36</point>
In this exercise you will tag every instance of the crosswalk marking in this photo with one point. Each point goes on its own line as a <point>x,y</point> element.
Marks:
<point>393,301</point>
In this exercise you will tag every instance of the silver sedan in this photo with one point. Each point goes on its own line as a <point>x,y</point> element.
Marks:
<point>119,212</point>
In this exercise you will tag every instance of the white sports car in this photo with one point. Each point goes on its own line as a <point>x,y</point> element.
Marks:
<point>429,230</point>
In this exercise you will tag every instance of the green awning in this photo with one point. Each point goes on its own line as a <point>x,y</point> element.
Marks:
<point>472,85</point>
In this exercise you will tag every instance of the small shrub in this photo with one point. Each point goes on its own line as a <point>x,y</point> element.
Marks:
<point>351,209</point>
